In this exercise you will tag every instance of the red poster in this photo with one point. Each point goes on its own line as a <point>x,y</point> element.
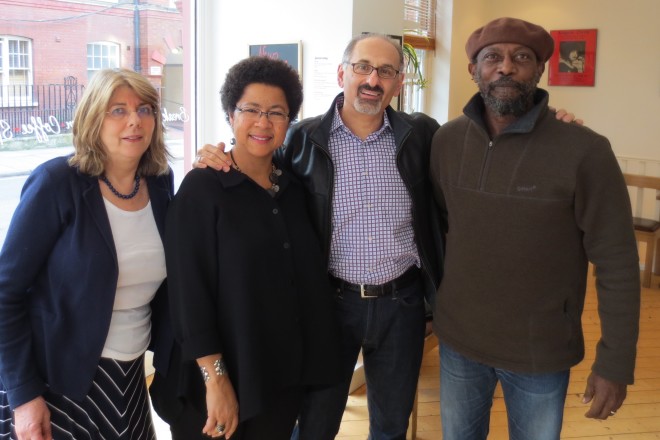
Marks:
<point>573,63</point>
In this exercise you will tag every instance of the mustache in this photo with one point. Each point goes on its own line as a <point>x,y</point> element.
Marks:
<point>506,81</point>
<point>378,89</point>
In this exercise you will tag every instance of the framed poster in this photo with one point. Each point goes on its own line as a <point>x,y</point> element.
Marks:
<point>573,63</point>
<point>396,100</point>
<point>289,52</point>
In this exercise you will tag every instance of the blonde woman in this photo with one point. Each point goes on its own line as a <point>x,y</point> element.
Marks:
<point>81,271</point>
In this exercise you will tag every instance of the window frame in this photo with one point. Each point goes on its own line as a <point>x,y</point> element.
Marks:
<point>419,16</point>
<point>6,68</point>
<point>101,45</point>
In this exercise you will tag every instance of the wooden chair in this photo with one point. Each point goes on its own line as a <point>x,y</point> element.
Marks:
<point>645,195</point>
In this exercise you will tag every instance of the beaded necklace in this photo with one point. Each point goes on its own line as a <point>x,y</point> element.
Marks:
<point>117,193</point>
<point>273,178</point>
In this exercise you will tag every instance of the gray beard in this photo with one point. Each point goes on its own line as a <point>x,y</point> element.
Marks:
<point>501,107</point>
<point>367,108</point>
<point>514,106</point>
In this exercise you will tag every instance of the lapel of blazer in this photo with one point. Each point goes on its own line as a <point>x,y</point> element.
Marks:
<point>94,201</point>
<point>160,192</point>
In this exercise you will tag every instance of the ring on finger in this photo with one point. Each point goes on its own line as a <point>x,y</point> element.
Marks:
<point>220,428</point>
<point>612,412</point>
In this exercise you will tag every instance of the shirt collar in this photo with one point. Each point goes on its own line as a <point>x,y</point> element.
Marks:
<point>338,123</point>
<point>236,178</point>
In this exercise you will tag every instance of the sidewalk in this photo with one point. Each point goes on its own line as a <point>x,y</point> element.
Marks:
<point>22,162</point>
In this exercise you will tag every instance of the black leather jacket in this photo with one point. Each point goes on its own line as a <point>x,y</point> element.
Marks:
<point>305,153</point>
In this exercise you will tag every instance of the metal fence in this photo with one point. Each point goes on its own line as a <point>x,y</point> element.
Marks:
<point>27,109</point>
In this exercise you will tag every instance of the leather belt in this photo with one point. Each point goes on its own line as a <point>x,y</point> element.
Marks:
<point>379,290</point>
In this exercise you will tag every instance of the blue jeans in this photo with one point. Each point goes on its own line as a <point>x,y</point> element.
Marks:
<point>534,402</point>
<point>390,332</point>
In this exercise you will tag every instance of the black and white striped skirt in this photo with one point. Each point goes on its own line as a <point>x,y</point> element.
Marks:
<point>117,407</point>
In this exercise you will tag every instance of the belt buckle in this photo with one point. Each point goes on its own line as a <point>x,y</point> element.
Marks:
<point>363,295</point>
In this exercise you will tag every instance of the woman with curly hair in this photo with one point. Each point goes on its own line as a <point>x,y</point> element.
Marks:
<point>251,301</point>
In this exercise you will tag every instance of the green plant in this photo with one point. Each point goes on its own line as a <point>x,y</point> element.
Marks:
<point>413,65</point>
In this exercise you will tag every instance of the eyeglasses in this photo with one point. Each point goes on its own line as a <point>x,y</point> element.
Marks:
<point>385,72</point>
<point>120,113</point>
<point>254,114</point>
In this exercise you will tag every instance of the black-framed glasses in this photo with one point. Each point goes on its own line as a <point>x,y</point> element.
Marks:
<point>385,72</point>
<point>254,114</point>
<point>119,113</point>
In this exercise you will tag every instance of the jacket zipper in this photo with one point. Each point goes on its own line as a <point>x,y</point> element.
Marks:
<point>485,167</point>
<point>328,232</point>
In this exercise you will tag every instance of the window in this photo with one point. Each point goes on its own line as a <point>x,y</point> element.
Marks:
<point>419,16</point>
<point>412,92</point>
<point>101,56</point>
<point>15,61</point>
<point>419,35</point>
<point>15,71</point>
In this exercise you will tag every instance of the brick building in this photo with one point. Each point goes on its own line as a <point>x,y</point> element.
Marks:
<point>42,42</point>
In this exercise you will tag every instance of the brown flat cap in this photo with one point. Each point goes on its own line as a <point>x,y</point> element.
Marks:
<point>511,30</point>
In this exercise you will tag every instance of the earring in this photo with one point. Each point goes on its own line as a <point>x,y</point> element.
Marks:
<point>233,141</point>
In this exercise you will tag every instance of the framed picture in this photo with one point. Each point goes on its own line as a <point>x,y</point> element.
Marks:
<point>573,63</point>
<point>398,39</point>
<point>396,100</point>
<point>289,52</point>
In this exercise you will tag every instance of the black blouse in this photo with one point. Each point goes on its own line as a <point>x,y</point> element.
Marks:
<point>246,279</point>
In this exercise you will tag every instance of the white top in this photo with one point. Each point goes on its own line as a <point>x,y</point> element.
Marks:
<point>141,259</point>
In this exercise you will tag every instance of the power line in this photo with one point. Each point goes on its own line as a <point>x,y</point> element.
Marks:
<point>55,20</point>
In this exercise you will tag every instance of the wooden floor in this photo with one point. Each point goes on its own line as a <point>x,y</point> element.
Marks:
<point>638,419</point>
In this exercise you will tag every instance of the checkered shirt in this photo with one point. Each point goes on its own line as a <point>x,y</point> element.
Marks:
<point>373,240</point>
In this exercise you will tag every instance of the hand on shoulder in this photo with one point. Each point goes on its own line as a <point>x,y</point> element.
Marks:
<point>213,156</point>
<point>565,116</point>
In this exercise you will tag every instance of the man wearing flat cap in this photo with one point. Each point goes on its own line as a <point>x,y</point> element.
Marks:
<point>530,202</point>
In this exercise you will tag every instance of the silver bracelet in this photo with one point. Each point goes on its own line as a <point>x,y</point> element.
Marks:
<point>218,366</point>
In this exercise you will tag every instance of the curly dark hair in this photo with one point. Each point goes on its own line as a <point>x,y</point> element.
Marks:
<point>262,70</point>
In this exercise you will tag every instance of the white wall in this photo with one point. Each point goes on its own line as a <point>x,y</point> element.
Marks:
<point>323,27</point>
<point>381,16</point>
<point>624,105</point>
<point>227,27</point>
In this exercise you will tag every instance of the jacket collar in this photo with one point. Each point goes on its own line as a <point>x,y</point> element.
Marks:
<point>475,109</point>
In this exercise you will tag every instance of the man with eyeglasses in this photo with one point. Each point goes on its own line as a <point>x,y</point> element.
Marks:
<point>366,166</point>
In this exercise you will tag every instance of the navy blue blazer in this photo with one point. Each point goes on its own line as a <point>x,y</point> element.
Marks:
<point>58,278</point>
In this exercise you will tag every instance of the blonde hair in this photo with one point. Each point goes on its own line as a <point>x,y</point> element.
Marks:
<point>90,155</point>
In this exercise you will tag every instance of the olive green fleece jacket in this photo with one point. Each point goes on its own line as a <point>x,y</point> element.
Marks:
<point>527,211</point>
